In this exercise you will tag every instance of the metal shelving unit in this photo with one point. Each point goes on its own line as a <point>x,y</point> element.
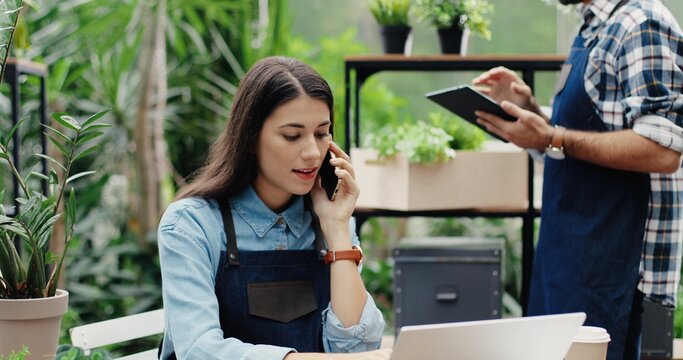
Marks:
<point>359,68</point>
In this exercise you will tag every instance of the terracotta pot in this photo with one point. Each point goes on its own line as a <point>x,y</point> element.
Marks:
<point>34,323</point>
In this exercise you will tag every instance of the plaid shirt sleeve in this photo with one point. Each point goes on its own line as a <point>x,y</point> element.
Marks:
<point>635,78</point>
<point>650,75</point>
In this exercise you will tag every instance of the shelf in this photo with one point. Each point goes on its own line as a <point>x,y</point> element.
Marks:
<point>359,68</point>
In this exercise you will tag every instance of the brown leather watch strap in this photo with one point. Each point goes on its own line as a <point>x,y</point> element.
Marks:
<point>355,254</point>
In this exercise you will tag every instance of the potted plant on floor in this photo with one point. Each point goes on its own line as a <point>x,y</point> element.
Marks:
<point>392,16</point>
<point>31,306</point>
<point>454,19</point>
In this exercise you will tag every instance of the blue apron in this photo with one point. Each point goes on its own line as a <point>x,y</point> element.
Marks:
<point>592,224</point>
<point>272,297</point>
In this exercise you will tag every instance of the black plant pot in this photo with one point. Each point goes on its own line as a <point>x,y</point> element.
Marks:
<point>394,38</point>
<point>453,40</point>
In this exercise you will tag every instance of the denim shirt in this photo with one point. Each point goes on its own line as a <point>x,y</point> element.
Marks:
<point>191,239</point>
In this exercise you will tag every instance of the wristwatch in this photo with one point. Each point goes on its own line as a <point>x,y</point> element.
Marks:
<point>355,254</point>
<point>555,149</point>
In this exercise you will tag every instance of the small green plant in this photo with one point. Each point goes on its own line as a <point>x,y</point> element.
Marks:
<point>444,14</point>
<point>465,135</point>
<point>21,355</point>
<point>418,142</point>
<point>390,12</point>
<point>25,277</point>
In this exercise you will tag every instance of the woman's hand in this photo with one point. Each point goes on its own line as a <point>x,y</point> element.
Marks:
<point>372,355</point>
<point>383,354</point>
<point>341,209</point>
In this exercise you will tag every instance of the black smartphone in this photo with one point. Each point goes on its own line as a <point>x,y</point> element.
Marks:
<point>328,179</point>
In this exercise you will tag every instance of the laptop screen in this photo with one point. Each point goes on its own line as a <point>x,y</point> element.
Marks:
<point>545,337</point>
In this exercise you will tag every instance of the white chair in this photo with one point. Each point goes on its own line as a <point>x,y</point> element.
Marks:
<point>121,329</point>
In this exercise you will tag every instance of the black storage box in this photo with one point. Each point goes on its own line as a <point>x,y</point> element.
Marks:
<point>439,280</point>
<point>657,335</point>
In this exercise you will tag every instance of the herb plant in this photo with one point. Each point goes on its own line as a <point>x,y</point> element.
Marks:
<point>390,12</point>
<point>418,142</point>
<point>465,136</point>
<point>444,14</point>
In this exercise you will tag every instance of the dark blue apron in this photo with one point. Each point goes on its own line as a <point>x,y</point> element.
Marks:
<point>272,297</point>
<point>592,224</point>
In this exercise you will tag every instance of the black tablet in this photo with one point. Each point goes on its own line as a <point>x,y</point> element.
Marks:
<point>464,101</point>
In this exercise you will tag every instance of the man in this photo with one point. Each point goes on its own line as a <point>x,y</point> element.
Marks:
<point>612,192</point>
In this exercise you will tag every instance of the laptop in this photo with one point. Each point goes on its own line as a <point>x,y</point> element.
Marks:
<point>545,337</point>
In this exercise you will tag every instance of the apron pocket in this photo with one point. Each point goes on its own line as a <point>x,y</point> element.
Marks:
<point>281,301</point>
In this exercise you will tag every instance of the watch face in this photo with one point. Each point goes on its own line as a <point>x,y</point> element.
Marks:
<point>555,153</point>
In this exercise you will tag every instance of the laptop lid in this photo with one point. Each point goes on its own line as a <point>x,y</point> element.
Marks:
<point>545,337</point>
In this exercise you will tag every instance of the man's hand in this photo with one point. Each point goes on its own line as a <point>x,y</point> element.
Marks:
<point>530,131</point>
<point>503,84</point>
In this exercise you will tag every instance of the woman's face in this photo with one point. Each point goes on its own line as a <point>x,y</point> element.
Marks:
<point>291,146</point>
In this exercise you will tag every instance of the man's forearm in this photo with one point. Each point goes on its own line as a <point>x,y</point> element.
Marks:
<point>622,150</point>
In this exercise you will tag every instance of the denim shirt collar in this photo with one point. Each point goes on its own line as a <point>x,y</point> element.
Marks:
<point>261,218</point>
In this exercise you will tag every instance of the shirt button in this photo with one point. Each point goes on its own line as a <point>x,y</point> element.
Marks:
<point>280,220</point>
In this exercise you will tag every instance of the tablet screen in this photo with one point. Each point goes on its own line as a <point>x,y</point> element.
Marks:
<point>464,101</point>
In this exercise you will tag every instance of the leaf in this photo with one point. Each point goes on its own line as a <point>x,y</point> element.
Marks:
<point>95,117</point>
<point>70,214</point>
<point>38,175</point>
<point>54,179</point>
<point>58,133</point>
<point>87,129</point>
<point>87,137</point>
<point>79,175</point>
<point>87,152</point>
<point>67,121</point>
<point>53,161</point>
<point>59,146</point>
<point>8,137</point>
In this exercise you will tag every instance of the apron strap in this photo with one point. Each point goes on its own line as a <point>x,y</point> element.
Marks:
<point>320,241</point>
<point>229,228</point>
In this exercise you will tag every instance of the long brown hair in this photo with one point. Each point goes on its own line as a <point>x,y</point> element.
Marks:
<point>232,163</point>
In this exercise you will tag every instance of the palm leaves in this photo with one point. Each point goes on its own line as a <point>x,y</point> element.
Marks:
<point>34,224</point>
<point>9,13</point>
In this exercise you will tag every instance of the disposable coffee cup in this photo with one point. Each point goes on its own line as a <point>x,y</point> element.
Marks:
<point>590,343</point>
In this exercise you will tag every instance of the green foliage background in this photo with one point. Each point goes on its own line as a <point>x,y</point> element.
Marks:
<point>92,46</point>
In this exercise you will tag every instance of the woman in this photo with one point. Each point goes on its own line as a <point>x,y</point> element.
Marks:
<point>241,249</point>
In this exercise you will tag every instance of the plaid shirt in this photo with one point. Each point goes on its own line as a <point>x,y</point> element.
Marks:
<point>635,77</point>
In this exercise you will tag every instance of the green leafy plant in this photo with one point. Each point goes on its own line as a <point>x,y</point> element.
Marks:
<point>444,14</point>
<point>465,136</point>
<point>419,142</point>
<point>390,12</point>
<point>24,276</point>
<point>21,355</point>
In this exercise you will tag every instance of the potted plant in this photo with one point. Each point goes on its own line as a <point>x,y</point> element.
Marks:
<point>392,16</point>
<point>454,19</point>
<point>414,167</point>
<point>31,306</point>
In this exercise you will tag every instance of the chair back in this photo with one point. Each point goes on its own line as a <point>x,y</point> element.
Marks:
<point>91,336</point>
